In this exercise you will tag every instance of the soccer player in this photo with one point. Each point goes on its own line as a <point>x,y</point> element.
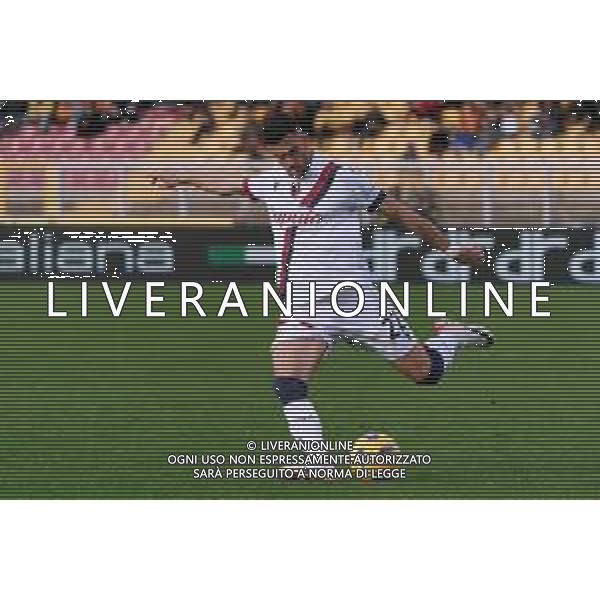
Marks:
<point>315,207</point>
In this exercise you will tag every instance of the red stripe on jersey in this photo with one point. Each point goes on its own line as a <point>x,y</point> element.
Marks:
<point>374,206</point>
<point>321,186</point>
<point>246,191</point>
<point>286,257</point>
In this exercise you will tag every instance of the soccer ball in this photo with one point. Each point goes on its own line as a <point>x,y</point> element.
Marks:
<point>368,455</point>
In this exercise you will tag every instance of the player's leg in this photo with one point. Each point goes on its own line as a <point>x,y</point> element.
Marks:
<point>296,354</point>
<point>416,364</point>
<point>393,337</point>
<point>426,363</point>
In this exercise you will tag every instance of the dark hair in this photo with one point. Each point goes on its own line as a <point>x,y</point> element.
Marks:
<point>277,127</point>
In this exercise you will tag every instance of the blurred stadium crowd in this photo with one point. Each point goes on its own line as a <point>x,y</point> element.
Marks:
<point>414,129</point>
<point>479,163</point>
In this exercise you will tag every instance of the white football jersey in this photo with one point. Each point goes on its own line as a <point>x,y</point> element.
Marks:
<point>316,224</point>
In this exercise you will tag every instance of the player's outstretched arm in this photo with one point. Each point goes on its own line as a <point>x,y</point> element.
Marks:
<point>171,179</point>
<point>403,214</point>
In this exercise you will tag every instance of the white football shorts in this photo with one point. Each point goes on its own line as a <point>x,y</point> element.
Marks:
<point>390,336</point>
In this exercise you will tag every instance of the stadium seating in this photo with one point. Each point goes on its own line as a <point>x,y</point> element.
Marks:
<point>511,179</point>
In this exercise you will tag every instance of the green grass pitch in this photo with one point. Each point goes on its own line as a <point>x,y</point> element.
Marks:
<point>91,407</point>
